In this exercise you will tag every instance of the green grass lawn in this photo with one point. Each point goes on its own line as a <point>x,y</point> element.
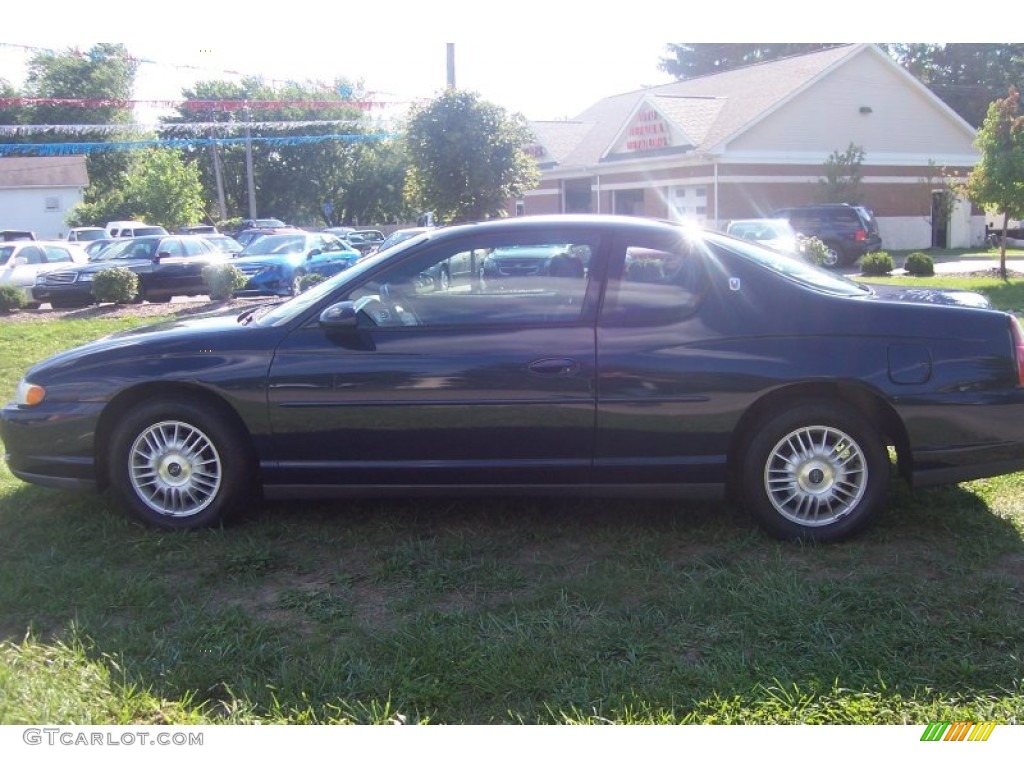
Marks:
<point>504,610</point>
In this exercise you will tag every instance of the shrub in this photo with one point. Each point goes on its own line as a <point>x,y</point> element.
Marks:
<point>11,298</point>
<point>117,285</point>
<point>223,280</point>
<point>309,280</point>
<point>919,264</point>
<point>876,264</point>
<point>812,249</point>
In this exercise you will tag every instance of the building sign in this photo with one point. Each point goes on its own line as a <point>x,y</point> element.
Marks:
<point>649,130</point>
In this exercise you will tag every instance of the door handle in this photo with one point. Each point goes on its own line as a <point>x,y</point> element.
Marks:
<point>554,366</point>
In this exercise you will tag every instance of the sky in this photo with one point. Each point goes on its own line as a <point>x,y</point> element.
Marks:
<point>546,60</point>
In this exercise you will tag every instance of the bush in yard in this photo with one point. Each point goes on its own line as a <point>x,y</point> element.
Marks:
<point>309,280</point>
<point>876,264</point>
<point>116,285</point>
<point>812,249</point>
<point>223,280</point>
<point>11,298</point>
<point>919,265</point>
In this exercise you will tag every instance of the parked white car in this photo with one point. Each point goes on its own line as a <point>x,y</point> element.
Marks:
<point>85,234</point>
<point>21,261</point>
<point>773,233</point>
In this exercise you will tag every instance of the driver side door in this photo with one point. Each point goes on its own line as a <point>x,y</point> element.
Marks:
<point>442,385</point>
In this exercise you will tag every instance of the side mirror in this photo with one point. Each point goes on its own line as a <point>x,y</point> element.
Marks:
<point>339,317</point>
<point>19,261</point>
<point>161,255</point>
<point>312,253</point>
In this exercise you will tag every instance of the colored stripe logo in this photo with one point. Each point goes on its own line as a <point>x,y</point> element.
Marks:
<point>939,730</point>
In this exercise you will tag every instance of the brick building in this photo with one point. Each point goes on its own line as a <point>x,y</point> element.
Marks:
<point>742,143</point>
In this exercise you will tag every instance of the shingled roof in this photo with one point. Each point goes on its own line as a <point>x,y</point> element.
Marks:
<point>708,110</point>
<point>27,172</point>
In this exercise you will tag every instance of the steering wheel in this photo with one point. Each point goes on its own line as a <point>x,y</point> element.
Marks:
<point>375,309</point>
<point>386,313</point>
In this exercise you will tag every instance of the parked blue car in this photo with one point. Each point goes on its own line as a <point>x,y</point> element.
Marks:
<point>275,264</point>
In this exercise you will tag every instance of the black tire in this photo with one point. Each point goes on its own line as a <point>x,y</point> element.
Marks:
<point>815,472</point>
<point>833,255</point>
<point>178,465</point>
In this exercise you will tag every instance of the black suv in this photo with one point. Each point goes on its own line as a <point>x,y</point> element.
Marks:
<point>848,231</point>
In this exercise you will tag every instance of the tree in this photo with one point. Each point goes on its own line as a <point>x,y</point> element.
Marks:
<point>299,178</point>
<point>967,76</point>
<point>160,187</point>
<point>997,182</point>
<point>843,175</point>
<point>466,157</point>
<point>101,80</point>
<point>689,60</point>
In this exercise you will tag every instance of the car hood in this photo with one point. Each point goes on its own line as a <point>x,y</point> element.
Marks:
<point>269,258</point>
<point>946,296</point>
<point>197,334</point>
<point>100,265</point>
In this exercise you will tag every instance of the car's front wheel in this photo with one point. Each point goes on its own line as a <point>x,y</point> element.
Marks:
<point>816,471</point>
<point>178,465</point>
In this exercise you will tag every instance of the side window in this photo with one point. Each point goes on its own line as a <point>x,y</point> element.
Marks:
<point>654,283</point>
<point>173,246</point>
<point>196,247</point>
<point>55,254</point>
<point>33,255</point>
<point>483,283</point>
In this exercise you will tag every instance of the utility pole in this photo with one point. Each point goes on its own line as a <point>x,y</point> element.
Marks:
<point>451,65</point>
<point>248,164</point>
<point>216,171</point>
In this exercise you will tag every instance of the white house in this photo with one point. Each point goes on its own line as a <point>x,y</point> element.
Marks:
<point>36,193</point>
<point>742,143</point>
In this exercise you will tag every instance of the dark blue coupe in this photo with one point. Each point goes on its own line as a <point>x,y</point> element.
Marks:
<point>673,363</point>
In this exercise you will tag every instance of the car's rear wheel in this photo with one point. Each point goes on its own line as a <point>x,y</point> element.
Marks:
<point>833,256</point>
<point>178,465</point>
<point>817,471</point>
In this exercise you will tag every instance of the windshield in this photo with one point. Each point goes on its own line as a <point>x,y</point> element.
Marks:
<point>131,249</point>
<point>792,267</point>
<point>399,236</point>
<point>282,313</point>
<point>270,244</point>
<point>90,234</point>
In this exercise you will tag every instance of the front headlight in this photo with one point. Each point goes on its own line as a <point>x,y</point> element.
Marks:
<point>86,277</point>
<point>29,394</point>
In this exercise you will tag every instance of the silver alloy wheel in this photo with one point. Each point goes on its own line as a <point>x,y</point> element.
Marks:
<point>816,475</point>
<point>175,468</point>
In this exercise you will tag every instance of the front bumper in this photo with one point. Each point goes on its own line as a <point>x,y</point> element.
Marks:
<point>71,293</point>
